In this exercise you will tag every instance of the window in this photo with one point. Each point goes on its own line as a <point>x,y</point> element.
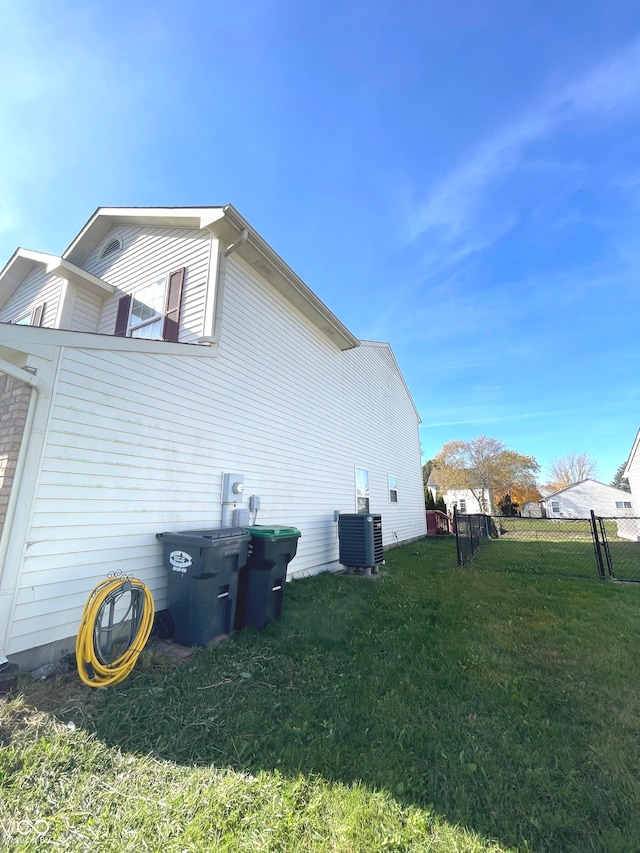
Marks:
<point>463,506</point>
<point>31,318</point>
<point>146,314</point>
<point>623,504</point>
<point>362,490</point>
<point>393,490</point>
<point>153,311</point>
<point>555,506</point>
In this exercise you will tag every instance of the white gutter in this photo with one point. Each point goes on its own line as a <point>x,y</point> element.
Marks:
<point>7,593</point>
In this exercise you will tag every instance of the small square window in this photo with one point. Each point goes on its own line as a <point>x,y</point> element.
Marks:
<point>393,490</point>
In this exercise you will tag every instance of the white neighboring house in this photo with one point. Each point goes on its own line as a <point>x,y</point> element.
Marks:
<point>578,499</point>
<point>464,499</point>
<point>165,347</point>
<point>632,473</point>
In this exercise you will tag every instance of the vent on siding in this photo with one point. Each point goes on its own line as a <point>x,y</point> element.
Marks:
<point>112,248</point>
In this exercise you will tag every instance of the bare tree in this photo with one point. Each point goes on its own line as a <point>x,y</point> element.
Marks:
<point>571,468</point>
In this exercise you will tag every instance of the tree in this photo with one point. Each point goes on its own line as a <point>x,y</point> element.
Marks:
<point>507,506</point>
<point>484,464</point>
<point>620,482</point>
<point>427,468</point>
<point>571,468</point>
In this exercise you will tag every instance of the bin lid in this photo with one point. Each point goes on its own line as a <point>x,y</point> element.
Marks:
<point>209,534</point>
<point>273,532</point>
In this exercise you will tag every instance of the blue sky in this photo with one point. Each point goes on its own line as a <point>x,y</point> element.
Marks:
<point>461,179</point>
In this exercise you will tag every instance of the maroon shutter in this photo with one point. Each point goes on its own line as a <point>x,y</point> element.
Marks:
<point>37,314</point>
<point>122,319</point>
<point>172,308</point>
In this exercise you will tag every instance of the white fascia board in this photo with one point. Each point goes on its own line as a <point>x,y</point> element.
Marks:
<point>634,450</point>
<point>76,275</point>
<point>35,338</point>
<point>17,267</point>
<point>103,220</point>
<point>23,260</point>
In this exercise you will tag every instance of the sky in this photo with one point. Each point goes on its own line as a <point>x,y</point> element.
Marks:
<point>460,179</point>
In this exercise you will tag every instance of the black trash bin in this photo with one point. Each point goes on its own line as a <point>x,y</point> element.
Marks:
<point>202,589</point>
<point>261,590</point>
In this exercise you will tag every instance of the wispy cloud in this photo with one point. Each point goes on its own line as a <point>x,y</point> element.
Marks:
<point>610,91</point>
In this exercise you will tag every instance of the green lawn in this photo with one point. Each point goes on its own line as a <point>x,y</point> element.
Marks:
<point>432,709</point>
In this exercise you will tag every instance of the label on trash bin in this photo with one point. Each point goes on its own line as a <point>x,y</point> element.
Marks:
<point>180,560</point>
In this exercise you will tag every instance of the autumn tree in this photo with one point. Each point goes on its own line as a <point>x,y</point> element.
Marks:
<point>620,482</point>
<point>571,468</point>
<point>483,465</point>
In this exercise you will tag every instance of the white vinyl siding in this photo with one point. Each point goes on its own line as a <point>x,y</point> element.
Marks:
<point>86,312</point>
<point>38,287</point>
<point>137,444</point>
<point>578,500</point>
<point>149,254</point>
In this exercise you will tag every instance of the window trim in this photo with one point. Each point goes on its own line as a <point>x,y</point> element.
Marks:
<point>393,488</point>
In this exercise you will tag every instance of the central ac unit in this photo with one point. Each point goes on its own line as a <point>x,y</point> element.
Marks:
<point>360,537</point>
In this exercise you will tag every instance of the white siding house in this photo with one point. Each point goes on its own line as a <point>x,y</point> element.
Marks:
<point>162,349</point>
<point>464,500</point>
<point>578,499</point>
<point>632,473</point>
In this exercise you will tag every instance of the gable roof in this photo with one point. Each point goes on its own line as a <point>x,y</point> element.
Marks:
<point>580,483</point>
<point>22,262</point>
<point>229,226</point>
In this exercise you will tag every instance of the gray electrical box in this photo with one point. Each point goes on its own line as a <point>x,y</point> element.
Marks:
<point>232,488</point>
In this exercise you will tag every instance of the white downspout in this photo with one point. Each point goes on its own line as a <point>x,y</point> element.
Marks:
<point>41,389</point>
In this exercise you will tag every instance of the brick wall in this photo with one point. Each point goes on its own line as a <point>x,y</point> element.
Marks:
<point>14,404</point>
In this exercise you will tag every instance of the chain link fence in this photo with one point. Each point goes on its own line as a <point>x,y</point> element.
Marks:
<point>620,547</point>
<point>560,547</point>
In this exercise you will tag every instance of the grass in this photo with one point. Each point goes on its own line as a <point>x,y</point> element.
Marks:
<point>433,709</point>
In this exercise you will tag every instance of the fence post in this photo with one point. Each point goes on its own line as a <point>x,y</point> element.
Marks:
<point>596,546</point>
<point>456,527</point>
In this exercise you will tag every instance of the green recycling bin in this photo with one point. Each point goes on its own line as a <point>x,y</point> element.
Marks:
<point>262,580</point>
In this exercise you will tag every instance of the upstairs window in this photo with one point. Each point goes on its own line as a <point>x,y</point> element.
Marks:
<point>393,490</point>
<point>153,311</point>
<point>147,307</point>
<point>31,318</point>
<point>362,490</point>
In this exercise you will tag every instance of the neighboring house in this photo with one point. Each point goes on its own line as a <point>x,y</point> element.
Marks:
<point>463,499</point>
<point>632,473</point>
<point>163,348</point>
<point>578,499</point>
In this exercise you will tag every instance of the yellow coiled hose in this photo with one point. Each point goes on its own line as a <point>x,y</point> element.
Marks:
<point>92,667</point>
